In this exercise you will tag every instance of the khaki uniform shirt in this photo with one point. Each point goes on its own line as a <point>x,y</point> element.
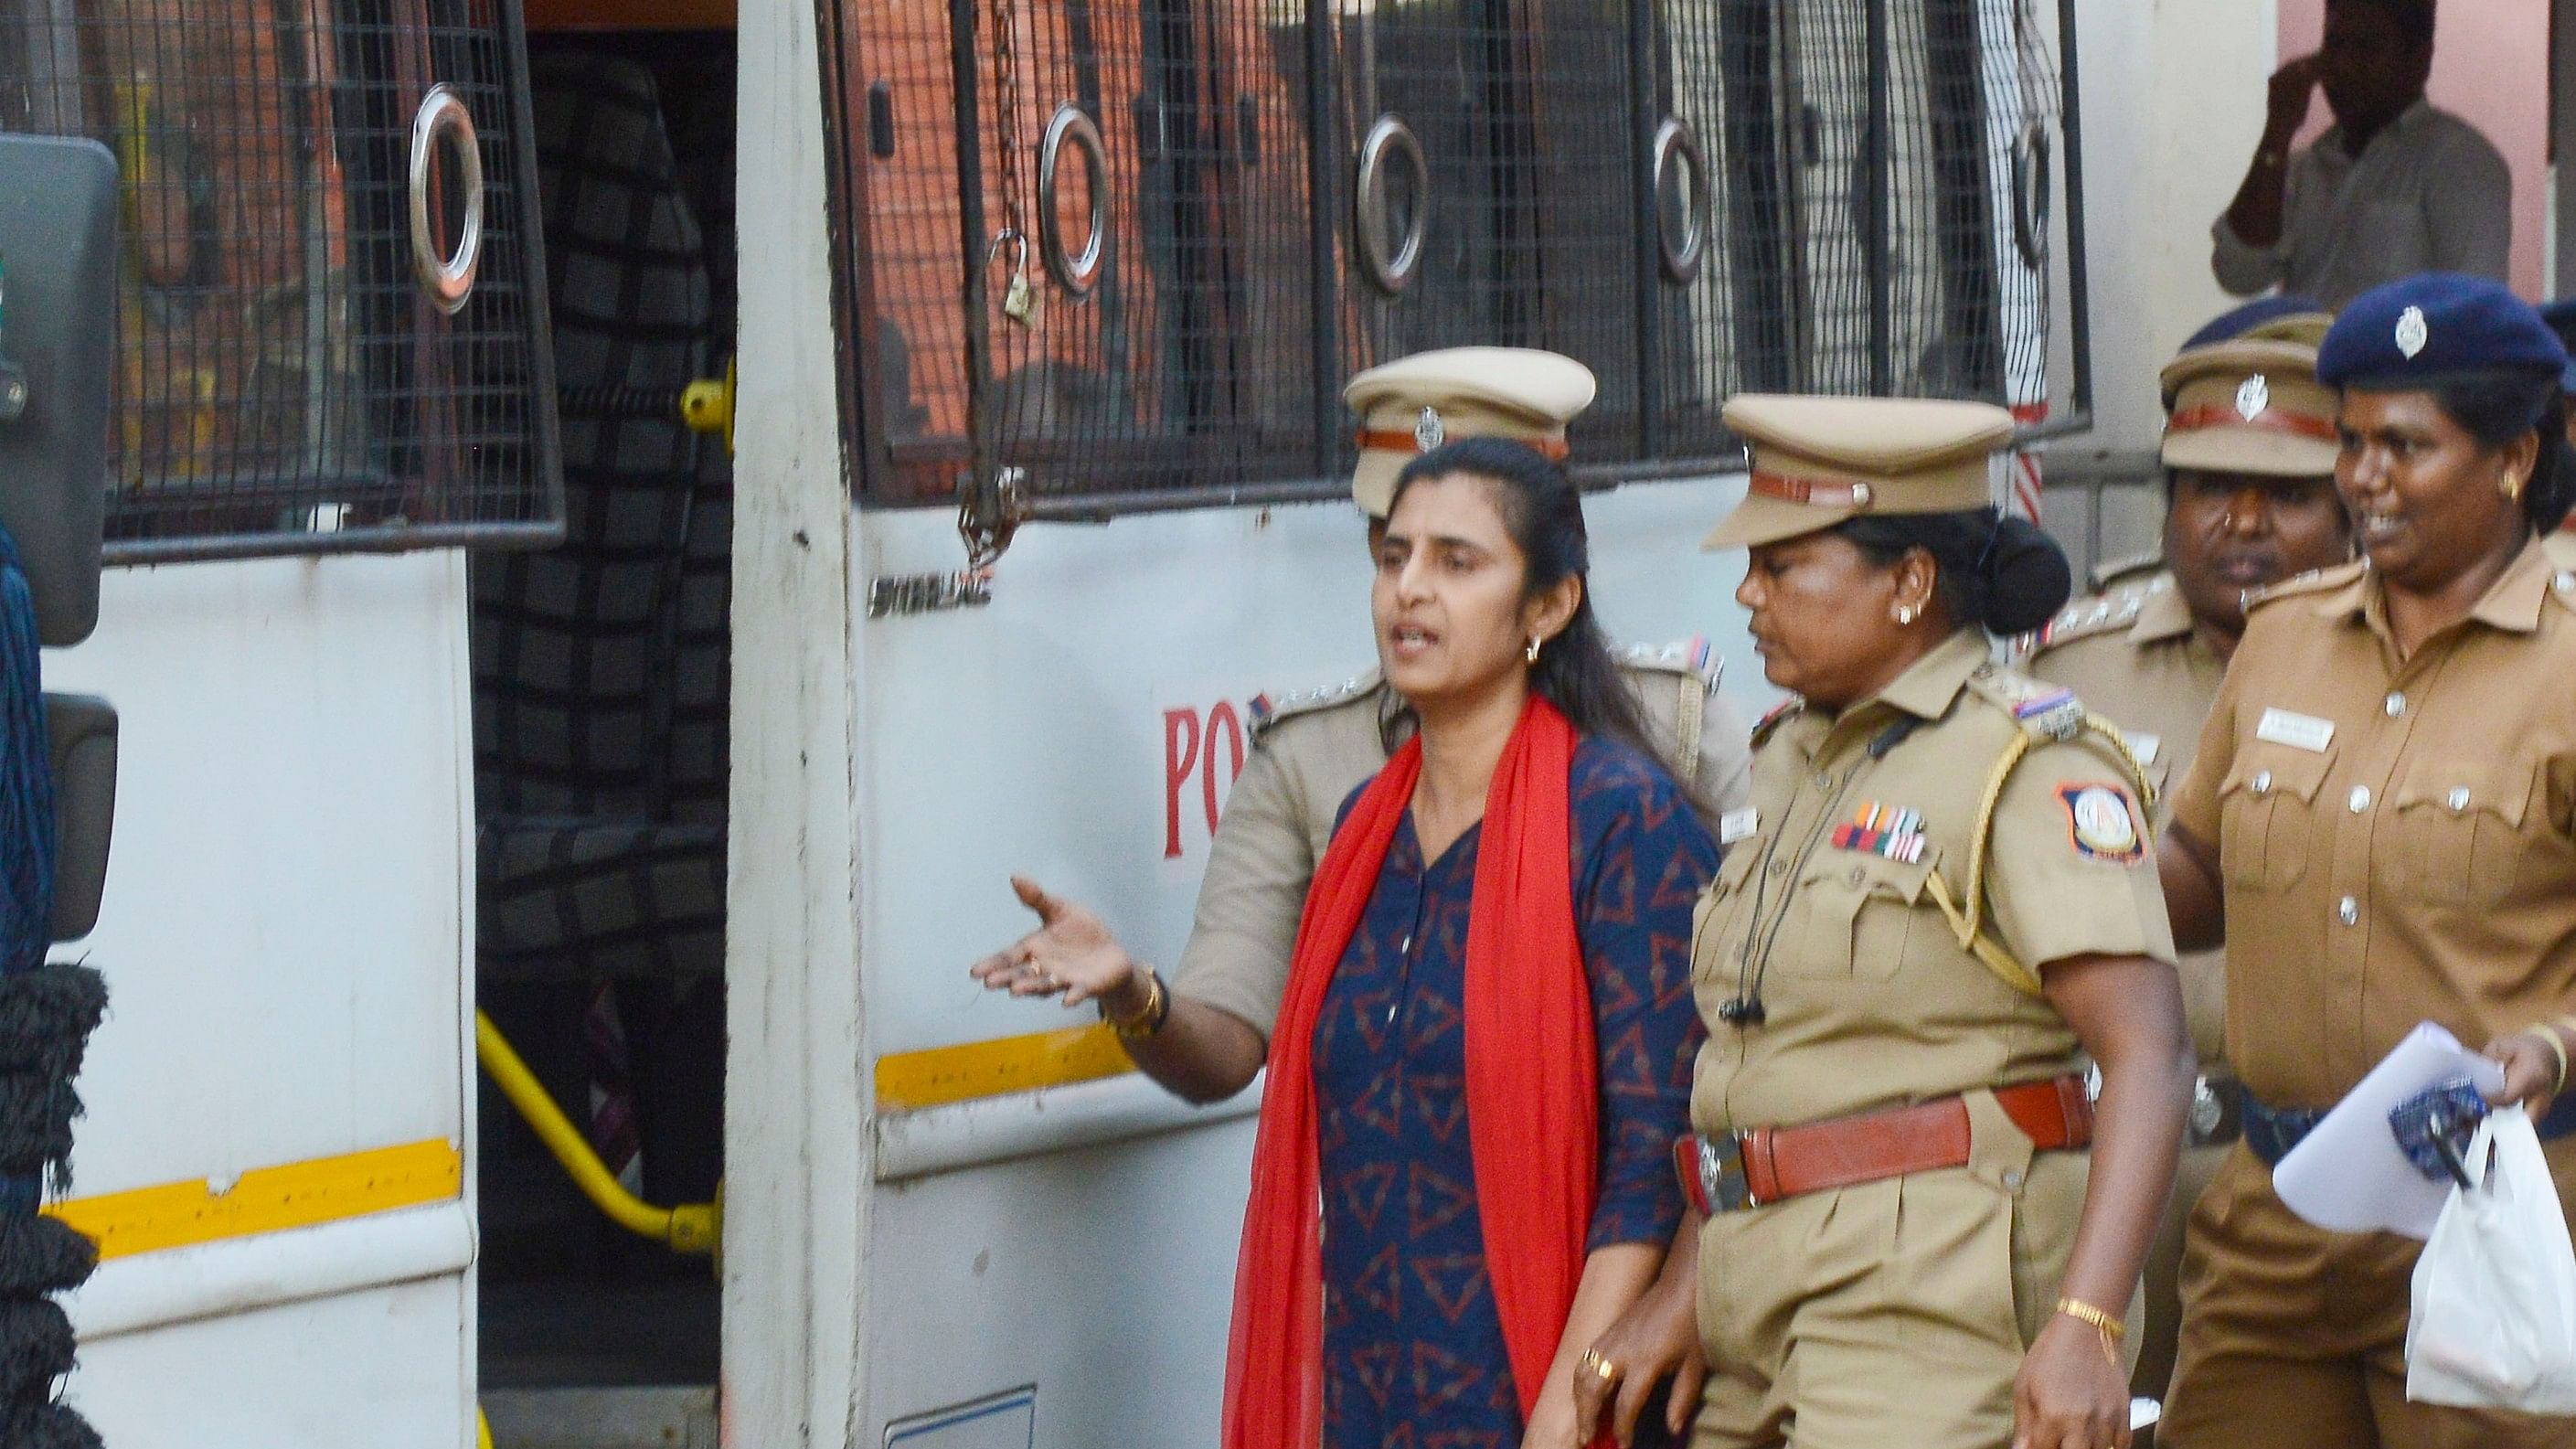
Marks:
<point>1314,750</point>
<point>2131,654</point>
<point>1870,1000</point>
<point>2561,547</point>
<point>2394,836</point>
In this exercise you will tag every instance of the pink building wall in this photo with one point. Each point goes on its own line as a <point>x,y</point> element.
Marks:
<point>2490,67</point>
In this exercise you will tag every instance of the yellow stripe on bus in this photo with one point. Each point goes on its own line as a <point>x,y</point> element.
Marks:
<point>910,1081</point>
<point>268,1199</point>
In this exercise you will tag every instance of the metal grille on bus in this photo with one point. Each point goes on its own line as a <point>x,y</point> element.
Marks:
<point>285,382</point>
<point>1864,177</point>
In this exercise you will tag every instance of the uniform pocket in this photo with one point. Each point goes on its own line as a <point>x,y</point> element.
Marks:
<point>1854,914</point>
<point>1718,918</point>
<point>2459,828</point>
<point>2266,814</point>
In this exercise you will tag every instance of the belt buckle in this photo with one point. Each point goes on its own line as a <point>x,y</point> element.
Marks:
<point>1721,1172</point>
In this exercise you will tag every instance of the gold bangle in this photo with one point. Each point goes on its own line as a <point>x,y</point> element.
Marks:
<point>2111,1329</point>
<point>1149,1018</point>
<point>2548,1032</point>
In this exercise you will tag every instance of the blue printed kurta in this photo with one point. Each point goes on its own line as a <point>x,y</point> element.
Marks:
<point>1413,1347</point>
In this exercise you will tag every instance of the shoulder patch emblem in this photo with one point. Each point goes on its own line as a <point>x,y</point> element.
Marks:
<point>2103,823</point>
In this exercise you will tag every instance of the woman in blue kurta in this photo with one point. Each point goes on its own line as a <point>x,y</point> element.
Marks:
<point>1410,1332</point>
<point>1483,1052</point>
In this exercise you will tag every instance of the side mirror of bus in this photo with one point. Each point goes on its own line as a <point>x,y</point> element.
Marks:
<point>82,731</point>
<point>58,260</point>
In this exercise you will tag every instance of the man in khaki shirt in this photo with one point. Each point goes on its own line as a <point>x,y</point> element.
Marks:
<point>2249,452</point>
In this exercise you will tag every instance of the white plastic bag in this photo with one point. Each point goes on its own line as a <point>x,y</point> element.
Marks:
<point>2493,1323</point>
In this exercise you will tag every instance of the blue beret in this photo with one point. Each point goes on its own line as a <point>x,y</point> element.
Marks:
<point>2432,324</point>
<point>2227,326</point>
<point>2561,317</point>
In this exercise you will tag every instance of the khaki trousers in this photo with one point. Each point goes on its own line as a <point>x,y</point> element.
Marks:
<point>2294,1337</point>
<point>1894,1313</point>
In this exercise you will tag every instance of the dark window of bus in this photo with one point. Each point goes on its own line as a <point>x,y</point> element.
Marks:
<point>1838,213</point>
<point>330,335</point>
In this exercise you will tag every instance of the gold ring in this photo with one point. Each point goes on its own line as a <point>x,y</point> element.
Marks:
<point>1609,1372</point>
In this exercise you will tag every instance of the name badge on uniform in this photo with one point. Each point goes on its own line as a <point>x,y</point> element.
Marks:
<point>2298,731</point>
<point>2146,747</point>
<point>1737,825</point>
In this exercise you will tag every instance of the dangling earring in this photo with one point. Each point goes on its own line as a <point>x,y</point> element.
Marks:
<point>1531,653</point>
<point>2511,486</point>
<point>1905,615</point>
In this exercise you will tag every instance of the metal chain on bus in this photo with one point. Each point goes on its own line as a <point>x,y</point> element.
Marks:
<point>1019,296</point>
<point>991,510</point>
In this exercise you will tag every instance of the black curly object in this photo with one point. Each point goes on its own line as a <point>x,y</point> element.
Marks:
<point>46,1016</point>
<point>35,1349</point>
<point>43,1255</point>
<point>36,1112</point>
<point>46,1426</point>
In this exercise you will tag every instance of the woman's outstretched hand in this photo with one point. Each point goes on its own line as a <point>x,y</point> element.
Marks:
<point>1071,953</point>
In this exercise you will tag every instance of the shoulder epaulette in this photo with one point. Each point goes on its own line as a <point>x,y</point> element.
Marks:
<point>2043,711</point>
<point>2103,613</point>
<point>1690,656</point>
<point>1269,712</point>
<point>1781,713</point>
<point>2112,573</point>
<point>2312,582</point>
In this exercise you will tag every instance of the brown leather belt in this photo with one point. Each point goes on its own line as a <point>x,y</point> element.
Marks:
<point>1732,1170</point>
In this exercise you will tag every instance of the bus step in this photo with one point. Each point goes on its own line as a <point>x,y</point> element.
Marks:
<point>681,1417</point>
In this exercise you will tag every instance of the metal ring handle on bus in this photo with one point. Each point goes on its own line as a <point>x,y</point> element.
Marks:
<point>449,280</point>
<point>1076,274</point>
<point>1391,272</point>
<point>2031,195</point>
<point>1675,141</point>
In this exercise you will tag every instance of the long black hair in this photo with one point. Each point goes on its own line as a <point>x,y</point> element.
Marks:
<point>1543,513</point>
<point>2497,406</point>
<point>1999,572</point>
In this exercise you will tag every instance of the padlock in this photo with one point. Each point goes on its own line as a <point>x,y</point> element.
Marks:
<point>1020,297</point>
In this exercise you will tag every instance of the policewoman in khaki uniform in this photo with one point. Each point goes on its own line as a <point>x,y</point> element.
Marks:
<point>2381,823</point>
<point>2249,451</point>
<point>1941,894</point>
<point>1204,1035</point>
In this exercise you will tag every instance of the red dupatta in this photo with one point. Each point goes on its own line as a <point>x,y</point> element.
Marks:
<point>1532,1089</point>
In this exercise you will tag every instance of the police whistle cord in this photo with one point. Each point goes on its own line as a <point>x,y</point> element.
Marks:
<point>47,1011</point>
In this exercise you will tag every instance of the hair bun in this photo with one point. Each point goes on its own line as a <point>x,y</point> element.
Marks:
<point>2026,577</point>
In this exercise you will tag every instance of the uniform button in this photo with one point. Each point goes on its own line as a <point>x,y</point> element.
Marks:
<point>2565,583</point>
<point>1824,781</point>
<point>2262,782</point>
<point>2348,911</point>
<point>2458,799</point>
<point>2396,704</point>
<point>2012,1179</point>
<point>2360,798</point>
<point>1855,875</point>
<point>1779,867</point>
